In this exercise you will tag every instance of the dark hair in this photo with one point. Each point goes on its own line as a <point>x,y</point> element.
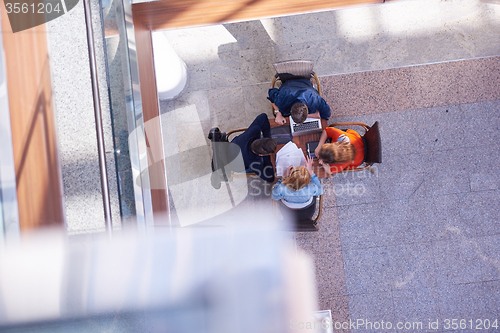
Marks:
<point>299,112</point>
<point>264,146</point>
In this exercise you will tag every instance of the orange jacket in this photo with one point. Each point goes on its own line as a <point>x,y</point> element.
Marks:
<point>355,140</point>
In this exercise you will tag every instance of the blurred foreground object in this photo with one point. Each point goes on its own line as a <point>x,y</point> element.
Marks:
<point>215,280</point>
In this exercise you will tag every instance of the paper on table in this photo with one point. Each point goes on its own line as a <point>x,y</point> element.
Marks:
<point>290,154</point>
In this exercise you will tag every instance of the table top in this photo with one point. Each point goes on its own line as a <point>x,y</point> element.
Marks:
<point>301,141</point>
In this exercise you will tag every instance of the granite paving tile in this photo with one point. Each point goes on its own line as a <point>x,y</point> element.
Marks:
<point>340,311</point>
<point>491,291</point>
<point>194,163</point>
<point>357,225</point>
<point>457,262</point>
<point>274,29</point>
<point>224,102</point>
<point>464,260</point>
<point>367,270</point>
<point>433,218</point>
<point>413,87</point>
<point>482,39</point>
<point>339,56</point>
<point>484,182</point>
<point>226,70</point>
<point>330,275</point>
<point>343,55</point>
<point>454,160</point>
<point>431,132</point>
<point>255,100</point>
<point>483,172</point>
<point>198,77</point>
<point>478,213</point>
<point>329,222</point>
<point>317,242</point>
<point>400,185</point>
<point>488,251</point>
<point>364,118</point>
<point>476,80</point>
<point>400,164</point>
<point>446,182</point>
<point>389,51</point>
<point>414,266</point>
<point>329,199</point>
<point>326,239</point>
<point>168,125</point>
<point>356,188</point>
<point>398,127</point>
<point>396,222</point>
<point>400,223</point>
<point>246,35</point>
<point>467,301</point>
<point>416,308</point>
<point>257,65</point>
<point>361,307</point>
<point>311,50</point>
<point>442,46</point>
<point>306,28</point>
<point>368,92</point>
<point>481,123</point>
<point>166,106</point>
<point>197,100</point>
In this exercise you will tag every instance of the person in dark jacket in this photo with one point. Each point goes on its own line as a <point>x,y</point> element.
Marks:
<point>299,99</point>
<point>256,145</point>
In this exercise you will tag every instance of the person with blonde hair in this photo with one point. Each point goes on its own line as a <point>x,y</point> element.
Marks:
<point>298,186</point>
<point>346,151</point>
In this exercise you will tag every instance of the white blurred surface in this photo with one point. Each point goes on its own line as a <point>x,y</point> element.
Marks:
<point>221,279</point>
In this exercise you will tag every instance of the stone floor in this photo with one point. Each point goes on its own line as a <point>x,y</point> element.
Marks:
<point>418,241</point>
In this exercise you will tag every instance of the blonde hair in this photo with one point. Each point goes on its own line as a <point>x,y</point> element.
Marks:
<point>337,152</point>
<point>298,179</point>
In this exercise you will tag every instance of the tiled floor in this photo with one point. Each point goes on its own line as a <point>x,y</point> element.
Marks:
<point>422,239</point>
<point>418,241</point>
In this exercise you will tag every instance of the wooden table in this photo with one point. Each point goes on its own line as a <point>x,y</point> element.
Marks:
<point>301,141</point>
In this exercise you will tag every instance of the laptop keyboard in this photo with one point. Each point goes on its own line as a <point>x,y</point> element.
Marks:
<point>305,126</point>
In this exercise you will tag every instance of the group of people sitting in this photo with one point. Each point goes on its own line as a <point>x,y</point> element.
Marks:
<point>298,99</point>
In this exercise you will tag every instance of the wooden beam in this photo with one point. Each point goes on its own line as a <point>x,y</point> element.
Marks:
<point>38,178</point>
<point>159,15</point>
<point>151,113</point>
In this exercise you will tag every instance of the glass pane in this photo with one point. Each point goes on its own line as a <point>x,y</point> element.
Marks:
<point>126,111</point>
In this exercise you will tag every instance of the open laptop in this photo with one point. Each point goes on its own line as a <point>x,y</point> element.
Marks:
<point>310,125</point>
